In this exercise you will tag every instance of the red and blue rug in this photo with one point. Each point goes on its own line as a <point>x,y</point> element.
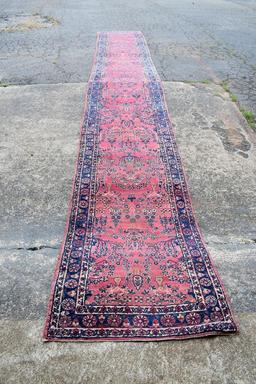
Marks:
<point>133,265</point>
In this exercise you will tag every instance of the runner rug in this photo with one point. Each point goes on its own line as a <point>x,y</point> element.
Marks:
<point>133,265</point>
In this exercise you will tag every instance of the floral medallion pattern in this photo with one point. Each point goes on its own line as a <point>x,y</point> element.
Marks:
<point>133,264</point>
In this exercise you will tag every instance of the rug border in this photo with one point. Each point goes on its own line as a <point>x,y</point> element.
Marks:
<point>236,321</point>
<point>70,200</point>
<point>45,337</point>
<point>142,339</point>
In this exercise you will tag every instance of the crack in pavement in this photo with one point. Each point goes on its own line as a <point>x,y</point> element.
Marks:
<point>39,247</point>
<point>32,248</point>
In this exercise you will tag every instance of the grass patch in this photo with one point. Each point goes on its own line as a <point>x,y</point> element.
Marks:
<point>206,81</point>
<point>249,116</point>
<point>188,81</point>
<point>225,86</point>
<point>233,97</point>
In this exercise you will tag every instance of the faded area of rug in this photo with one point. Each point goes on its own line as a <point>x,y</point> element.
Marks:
<point>133,265</point>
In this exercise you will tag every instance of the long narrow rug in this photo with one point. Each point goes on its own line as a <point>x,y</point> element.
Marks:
<point>133,264</point>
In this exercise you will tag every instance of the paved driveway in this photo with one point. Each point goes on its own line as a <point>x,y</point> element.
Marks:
<point>189,40</point>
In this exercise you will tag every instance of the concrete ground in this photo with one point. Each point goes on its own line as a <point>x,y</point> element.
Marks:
<point>40,129</point>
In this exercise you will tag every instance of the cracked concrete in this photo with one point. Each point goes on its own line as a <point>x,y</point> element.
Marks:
<point>39,143</point>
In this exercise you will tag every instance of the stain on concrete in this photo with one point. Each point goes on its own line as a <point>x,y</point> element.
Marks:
<point>232,139</point>
<point>199,118</point>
